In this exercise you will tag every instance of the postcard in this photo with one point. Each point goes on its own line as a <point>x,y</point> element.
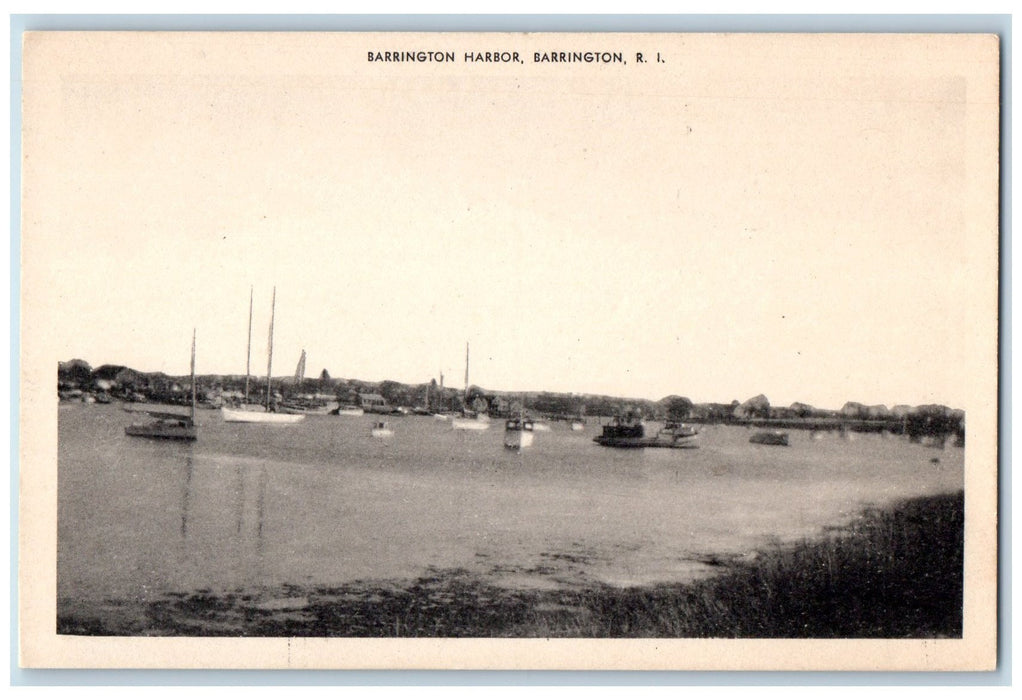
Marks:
<point>509,351</point>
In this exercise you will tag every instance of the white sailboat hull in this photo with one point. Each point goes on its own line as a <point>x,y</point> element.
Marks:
<point>236,416</point>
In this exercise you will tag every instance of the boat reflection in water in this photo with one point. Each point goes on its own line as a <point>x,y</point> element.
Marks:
<point>237,540</point>
<point>480,422</point>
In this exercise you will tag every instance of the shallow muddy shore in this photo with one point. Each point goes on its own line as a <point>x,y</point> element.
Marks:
<point>892,573</point>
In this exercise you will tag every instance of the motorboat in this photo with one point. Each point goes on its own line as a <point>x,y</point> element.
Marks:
<point>631,433</point>
<point>518,433</point>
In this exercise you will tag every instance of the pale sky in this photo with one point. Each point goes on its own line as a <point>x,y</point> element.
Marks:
<point>796,218</point>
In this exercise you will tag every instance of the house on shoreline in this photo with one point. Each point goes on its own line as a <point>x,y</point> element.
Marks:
<point>373,403</point>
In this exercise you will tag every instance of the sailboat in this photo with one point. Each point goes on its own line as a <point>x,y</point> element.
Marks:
<point>423,410</point>
<point>169,426</point>
<point>480,421</point>
<point>440,415</point>
<point>266,414</point>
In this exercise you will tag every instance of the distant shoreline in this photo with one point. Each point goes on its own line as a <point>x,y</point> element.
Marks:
<point>77,380</point>
<point>917,428</point>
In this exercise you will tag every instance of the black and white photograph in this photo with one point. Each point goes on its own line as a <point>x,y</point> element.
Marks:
<point>509,350</point>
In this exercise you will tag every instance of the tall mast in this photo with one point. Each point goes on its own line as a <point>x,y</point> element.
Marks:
<point>248,356</point>
<point>269,361</point>
<point>193,376</point>
<point>466,375</point>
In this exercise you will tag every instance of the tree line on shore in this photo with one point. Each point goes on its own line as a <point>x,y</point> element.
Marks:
<point>76,379</point>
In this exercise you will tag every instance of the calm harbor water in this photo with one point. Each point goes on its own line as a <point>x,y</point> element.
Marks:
<point>321,503</point>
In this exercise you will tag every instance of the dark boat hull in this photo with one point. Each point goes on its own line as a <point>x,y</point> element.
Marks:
<point>632,435</point>
<point>162,431</point>
<point>773,438</point>
<point>636,443</point>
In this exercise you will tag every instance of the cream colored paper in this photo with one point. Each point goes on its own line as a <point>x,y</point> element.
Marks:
<point>833,155</point>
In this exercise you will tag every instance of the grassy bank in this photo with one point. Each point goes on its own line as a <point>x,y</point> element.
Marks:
<point>892,573</point>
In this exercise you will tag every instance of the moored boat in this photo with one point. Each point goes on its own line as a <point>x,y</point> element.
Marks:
<point>169,426</point>
<point>467,420</point>
<point>678,431</point>
<point>631,433</point>
<point>518,433</point>
<point>347,410</point>
<point>423,410</point>
<point>770,437</point>
<point>380,429</point>
<point>266,414</point>
<point>232,415</point>
<point>165,428</point>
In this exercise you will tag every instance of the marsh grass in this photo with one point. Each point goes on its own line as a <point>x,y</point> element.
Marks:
<point>893,573</point>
